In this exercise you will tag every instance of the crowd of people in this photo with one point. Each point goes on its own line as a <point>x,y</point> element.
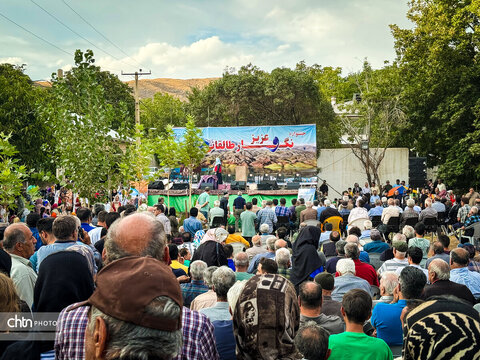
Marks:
<point>249,279</point>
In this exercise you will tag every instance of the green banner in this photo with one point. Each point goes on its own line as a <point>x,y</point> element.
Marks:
<point>178,202</point>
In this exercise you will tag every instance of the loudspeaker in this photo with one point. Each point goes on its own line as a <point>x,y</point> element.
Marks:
<point>157,185</point>
<point>267,185</point>
<point>417,172</point>
<point>238,185</point>
<point>204,185</point>
<point>180,186</point>
<point>293,186</point>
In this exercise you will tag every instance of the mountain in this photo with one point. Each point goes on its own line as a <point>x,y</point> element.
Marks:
<point>175,87</point>
<point>149,87</point>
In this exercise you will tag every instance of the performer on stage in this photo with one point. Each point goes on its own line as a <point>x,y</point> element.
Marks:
<point>218,171</point>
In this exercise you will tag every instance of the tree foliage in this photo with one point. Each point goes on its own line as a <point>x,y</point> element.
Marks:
<point>379,116</point>
<point>12,174</point>
<point>252,96</point>
<point>157,113</point>
<point>439,59</point>
<point>81,120</point>
<point>18,117</point>
<point>191,149</point>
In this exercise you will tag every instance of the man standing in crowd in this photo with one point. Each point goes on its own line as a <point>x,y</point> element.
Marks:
<point>160,216</point>
<point>192,224</point>
<point>224,205</point>
<point>215,212</point>
<point>19,242</point>
<point>239,206</point>
<point>204,202</point>
<point>267,216</point>
<point>248,218</point>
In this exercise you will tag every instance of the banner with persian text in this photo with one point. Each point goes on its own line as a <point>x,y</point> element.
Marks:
<point>263,149</point>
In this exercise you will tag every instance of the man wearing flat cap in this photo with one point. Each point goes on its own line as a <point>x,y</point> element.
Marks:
<point>141,319</point>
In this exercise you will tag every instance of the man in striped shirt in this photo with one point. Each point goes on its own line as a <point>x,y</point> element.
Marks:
<point>400,248</point>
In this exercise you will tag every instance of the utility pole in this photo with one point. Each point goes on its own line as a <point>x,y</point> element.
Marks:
<point>137,100</point>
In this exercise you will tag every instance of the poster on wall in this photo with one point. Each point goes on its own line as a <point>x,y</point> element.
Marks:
<point>308,194</point>
<point>263,149</point>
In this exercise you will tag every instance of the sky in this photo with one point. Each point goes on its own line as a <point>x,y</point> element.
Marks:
<point>197,38</point>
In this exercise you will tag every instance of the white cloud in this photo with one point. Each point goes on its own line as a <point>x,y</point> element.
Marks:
<point>11,60</point>
<point>202,58</point>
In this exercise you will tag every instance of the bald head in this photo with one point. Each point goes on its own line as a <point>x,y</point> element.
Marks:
<point>352,239</point>
<point>18,240</point>
<point>135,235</point>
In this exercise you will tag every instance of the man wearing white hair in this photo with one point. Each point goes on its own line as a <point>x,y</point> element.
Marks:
<point>283,260</point>
<point>347,280</point>
<point>329,211</point>
<point>363,254</point>
<point>390,211</point>
<point>257,247</point>
<point>377,210</point>
<point>264,233</point>
<point>359,212</point>
<point>408,213</point>
<point>428,212</point>
<point>309,213</point>
<point>388,283</point>
<point>216,211</point>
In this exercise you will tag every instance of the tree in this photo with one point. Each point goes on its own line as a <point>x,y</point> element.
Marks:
<point>12,174</point>
<point>81,120</point>
<point>439,59</point>
<point>115,92</point>
<point>18,117</point>
<point>167,152</point>
<point>377,118</point>
<point>254,97</point>
<point>191,151</point>
<point>157,113</point>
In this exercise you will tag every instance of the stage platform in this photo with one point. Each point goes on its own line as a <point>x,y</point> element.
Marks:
<point>179,198</point>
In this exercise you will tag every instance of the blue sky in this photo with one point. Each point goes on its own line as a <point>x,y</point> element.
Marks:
<point>199,38</point>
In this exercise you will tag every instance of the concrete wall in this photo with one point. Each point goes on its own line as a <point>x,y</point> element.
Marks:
<point>341,168</point>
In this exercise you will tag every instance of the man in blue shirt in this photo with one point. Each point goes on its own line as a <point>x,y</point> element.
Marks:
<point>386,317</point>
<point>31,221</point>
<point>85,216</point>
<point>377,245</point>
<point>459,273</point>
<point>377,210</point>
<point>239,205</point>
<point>192,224</point>
<point>374,197</point>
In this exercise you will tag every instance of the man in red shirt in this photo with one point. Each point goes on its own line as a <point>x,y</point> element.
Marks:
<point>362,270</point>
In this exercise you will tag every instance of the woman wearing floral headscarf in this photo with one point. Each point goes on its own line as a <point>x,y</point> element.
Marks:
<point>211,248</point>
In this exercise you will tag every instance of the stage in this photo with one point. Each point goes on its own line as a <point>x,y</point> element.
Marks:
<point>179,198</point>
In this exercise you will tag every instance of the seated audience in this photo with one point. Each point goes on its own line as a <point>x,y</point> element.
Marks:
<point>209,298</point>
<point>223,279</point>
<point>235,238</point>
<point>439,253</point>
<point>282,258</point>
<point>414,256</point>
<point>459,273</point>
<point>267,266</point>
<point>312,341</point>
<point>400,248</point>
<point>241,266</point>
<point>377,245</point>
<point>328,247</point>
<point>327,283</point>
<point>440,284</point>
<point>197,286</point>
<point>362,270</point>
<point>388,284</point>
<point>347,280</point>
<point>306,262</point>
<point>257,247</point>
<point>331,265</point>
<point>386,317</point>
<point>310,302</point>
<point>418,240</point>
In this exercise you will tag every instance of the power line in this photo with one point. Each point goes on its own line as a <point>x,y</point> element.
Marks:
<point>98,32</point>
<point>38,37</point>
<point>76,33</point>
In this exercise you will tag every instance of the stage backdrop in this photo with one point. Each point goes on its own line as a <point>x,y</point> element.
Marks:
<point>263,149</point>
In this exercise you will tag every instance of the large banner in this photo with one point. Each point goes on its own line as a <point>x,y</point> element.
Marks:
<point>263,149</point>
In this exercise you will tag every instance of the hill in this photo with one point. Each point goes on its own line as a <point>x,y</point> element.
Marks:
<point>149,87</point>
<point>175,87</point>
